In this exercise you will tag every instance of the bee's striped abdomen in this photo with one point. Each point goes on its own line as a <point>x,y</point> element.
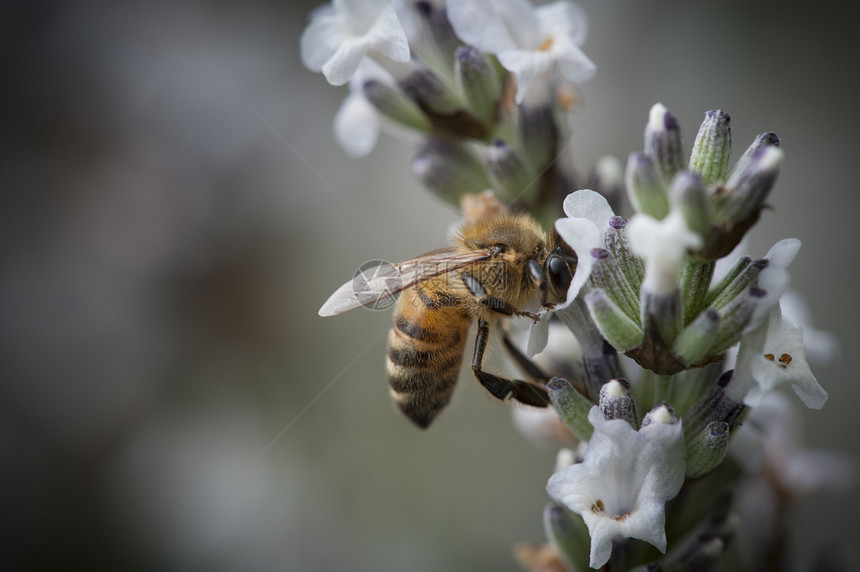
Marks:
<point>425,349</point>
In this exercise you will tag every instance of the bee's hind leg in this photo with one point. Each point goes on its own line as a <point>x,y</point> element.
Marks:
<point>501,388</point>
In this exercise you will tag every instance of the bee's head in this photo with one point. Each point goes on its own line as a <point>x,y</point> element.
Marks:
<point>554,277</point>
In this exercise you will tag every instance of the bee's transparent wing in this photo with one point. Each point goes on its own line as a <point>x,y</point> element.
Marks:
<point>375,285</point>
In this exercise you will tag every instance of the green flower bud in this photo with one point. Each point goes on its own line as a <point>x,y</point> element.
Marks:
<point>616,326</point>
<point>707,449</point>
<point>478,81</point>
<point>393,104</point>
<point>695,341</point>
<point>572,407</point>
<point>645,187</point>
<point>568,533</point>
<point>713,146</point>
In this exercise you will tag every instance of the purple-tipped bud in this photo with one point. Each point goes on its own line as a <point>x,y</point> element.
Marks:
<point>571,406</point>
<point>713,146</point>
<point>616,401</point>
<point>663,142</point>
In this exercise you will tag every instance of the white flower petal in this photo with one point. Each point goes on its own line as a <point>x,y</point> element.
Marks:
<point>339,36</point>
<point>538,336</point>
<point>575,66</point>
<point>589,205</point>
<point>321,38</point>
<point>388,37</point>
<point>663,244</point>
<point>342,64</point>
<point>564,19</point>
<point>582,236</point>
<point>494,25</point>
<point>530,67</point>
<point>356,125</point>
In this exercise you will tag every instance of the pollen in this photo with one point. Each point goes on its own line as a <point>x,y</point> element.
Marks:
<point>784,359</point>
<point>546,45</point>
<point>620,517</point>
<point>598,507</point>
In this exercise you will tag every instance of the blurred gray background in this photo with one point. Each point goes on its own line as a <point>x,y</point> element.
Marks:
<point>175,210</point>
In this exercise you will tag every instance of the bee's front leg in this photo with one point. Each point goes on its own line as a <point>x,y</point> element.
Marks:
<point>501,388</point>
<point>492,302</point>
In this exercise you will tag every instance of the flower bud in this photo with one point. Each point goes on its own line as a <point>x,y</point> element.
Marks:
<point>734,318</point>
<point>539,134</point>
<point>393,104</point>
<point>694,282</point>
<point>716,405</point>
<point>607,275</point>
<point>615,238</point>
<point>748,187</point>
<point>661,414</point>
<point>662,312</point>
<point>616,401</point>
<point>616,326</point>
<point>697,338</point>
<point>713,146</point>
<point>430,91</point>
<point>568,533</point>
<point>645,188</point>
<point>436,40</point>
<point>479,82</point>
<point>767,139</point>
<point>663,142</point>
<point>507,169</point>
<point>707,449</point>
<point>572,407</point>
<point>688,196</point>
<point>449,170</point>
<point>728,279</point>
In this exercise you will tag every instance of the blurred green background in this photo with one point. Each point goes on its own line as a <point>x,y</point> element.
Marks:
<point>175,210</point>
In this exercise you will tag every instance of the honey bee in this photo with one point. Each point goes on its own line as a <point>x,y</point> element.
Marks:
<point>498,263</point>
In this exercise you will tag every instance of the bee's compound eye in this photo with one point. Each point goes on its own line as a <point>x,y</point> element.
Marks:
<point>558,273</point>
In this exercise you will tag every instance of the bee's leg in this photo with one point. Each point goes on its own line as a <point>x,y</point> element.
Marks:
<point>501,388</point>
<point>491,302</point>
<point>527,365</point>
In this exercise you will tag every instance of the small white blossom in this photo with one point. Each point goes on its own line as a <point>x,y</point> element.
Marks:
<point>626,478</point>
<point>341,34</point>
<point>663,244</point>
<point>588,214</point>
<point>530,42</point>
<point>781,361</point>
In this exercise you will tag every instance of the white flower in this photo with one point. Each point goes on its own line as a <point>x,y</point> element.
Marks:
<point>341,34</point>
<point>780,361</point>
<point>627,476</point>
<point>663,244</point>
<point>529,42</point>
<point>357,123</point>
<point>771,351</point>
<point>588,214</point>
